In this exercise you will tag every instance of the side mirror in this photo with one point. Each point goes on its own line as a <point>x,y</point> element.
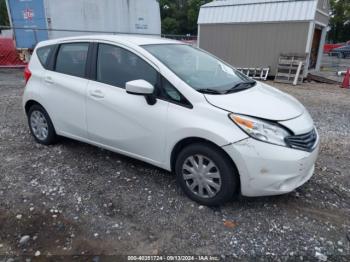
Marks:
<point>143,88</point>
<point>139,87</point>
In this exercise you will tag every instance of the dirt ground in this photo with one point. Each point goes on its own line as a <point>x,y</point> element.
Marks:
<point>76,199</point>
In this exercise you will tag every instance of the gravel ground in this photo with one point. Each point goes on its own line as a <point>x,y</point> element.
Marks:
<point>76,199</point>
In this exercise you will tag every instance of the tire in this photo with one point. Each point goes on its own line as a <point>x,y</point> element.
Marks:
<point>47,137</point>
<point>341,55</point>
<point>227,186</point>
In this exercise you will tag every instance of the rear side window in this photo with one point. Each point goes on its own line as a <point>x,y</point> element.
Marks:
<point>71,59</point>
<point>44,54</point>
<point>116,66</point>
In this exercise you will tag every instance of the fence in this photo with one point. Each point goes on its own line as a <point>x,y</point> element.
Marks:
<point>11,56</point>
<point>334,65</point>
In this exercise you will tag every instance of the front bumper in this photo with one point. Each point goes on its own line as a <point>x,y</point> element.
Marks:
<point>267,169</point>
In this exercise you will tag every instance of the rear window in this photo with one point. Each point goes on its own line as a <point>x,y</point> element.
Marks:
<point>71,59</point>
<point>44,54</point>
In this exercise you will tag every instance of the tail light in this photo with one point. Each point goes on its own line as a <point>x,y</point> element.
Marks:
<point>27,74</point>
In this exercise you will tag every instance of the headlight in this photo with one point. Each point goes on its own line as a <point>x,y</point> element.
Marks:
<point>261,130</point>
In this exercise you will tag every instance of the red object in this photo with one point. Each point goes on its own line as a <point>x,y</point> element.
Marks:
<point>346,81</point>
<point>8,54</point>
<point>27,74</point>
<point>28,14</point>
<point>329,47</point>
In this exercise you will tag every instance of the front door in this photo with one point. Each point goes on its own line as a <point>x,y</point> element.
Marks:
<point>122,121</point>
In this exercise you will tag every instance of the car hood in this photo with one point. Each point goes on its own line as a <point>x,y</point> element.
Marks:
<point>261,101</point>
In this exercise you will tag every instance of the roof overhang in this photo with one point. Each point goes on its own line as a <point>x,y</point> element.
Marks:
<point>256,11</point>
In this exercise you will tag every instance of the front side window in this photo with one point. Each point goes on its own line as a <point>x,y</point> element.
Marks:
<point>198,69</point>
<point>116,66</point>
<point>170,93</point>
<point>71,59</point>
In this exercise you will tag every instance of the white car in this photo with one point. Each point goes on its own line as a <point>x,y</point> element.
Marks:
<point>174,106</point>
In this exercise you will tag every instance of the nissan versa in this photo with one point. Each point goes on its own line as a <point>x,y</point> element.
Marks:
<point>174,106</point>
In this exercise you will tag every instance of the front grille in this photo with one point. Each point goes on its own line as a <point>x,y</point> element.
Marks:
<point>306,142</point>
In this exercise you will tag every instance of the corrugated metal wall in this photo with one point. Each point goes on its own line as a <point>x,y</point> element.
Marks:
<point>261,11</point>
<point>321,18</point>
<point>240,2</point>
<point>254,44</point>
<point>130,16</point>
<point>323,5</point>
<point>323,9</point>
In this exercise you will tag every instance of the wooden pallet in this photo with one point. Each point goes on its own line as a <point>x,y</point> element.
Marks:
<point>288,68</point>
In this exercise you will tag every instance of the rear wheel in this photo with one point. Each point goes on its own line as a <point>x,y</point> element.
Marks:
<point>41,126</point>
<point>206,174</point>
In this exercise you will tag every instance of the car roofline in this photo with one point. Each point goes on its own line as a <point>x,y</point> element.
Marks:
<point>130,39</point>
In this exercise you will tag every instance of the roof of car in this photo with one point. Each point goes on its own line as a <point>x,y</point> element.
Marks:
<point>138,40</point>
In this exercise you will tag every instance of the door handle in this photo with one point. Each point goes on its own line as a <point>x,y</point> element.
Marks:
<point>49,80</point>
<point>97,93</point>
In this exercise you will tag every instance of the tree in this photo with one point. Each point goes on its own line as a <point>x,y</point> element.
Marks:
<point>170,25</point>
<point>180,16</point>
<point>4,20</point>
<point>340,21</point>
<point>193,12</point>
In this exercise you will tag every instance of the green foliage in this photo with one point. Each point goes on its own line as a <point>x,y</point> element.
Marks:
<point>3,14</point>
<point>170,25</point>
<point>180,16</point>
<point>340,21</point>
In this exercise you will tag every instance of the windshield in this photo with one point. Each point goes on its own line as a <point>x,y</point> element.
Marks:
<point>198,69</point>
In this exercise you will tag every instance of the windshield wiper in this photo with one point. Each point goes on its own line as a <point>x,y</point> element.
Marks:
<point>209,91</point>
<point>241,86</point>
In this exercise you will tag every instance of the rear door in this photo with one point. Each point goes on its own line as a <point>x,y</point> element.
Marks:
<point>122,121</point>
<point>65,89</point>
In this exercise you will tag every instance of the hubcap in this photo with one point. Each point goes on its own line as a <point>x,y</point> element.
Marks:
<point>39,125</point>
<point>202,176</point>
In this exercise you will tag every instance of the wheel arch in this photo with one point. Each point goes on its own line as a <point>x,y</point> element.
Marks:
<point>194,140</point>
<point>30,103</point>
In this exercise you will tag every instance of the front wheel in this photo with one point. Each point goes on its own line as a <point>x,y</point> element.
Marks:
<point>206,174</point>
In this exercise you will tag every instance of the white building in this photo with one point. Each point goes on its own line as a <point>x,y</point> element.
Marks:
<point>253,33</point>
<point>125,16</point>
